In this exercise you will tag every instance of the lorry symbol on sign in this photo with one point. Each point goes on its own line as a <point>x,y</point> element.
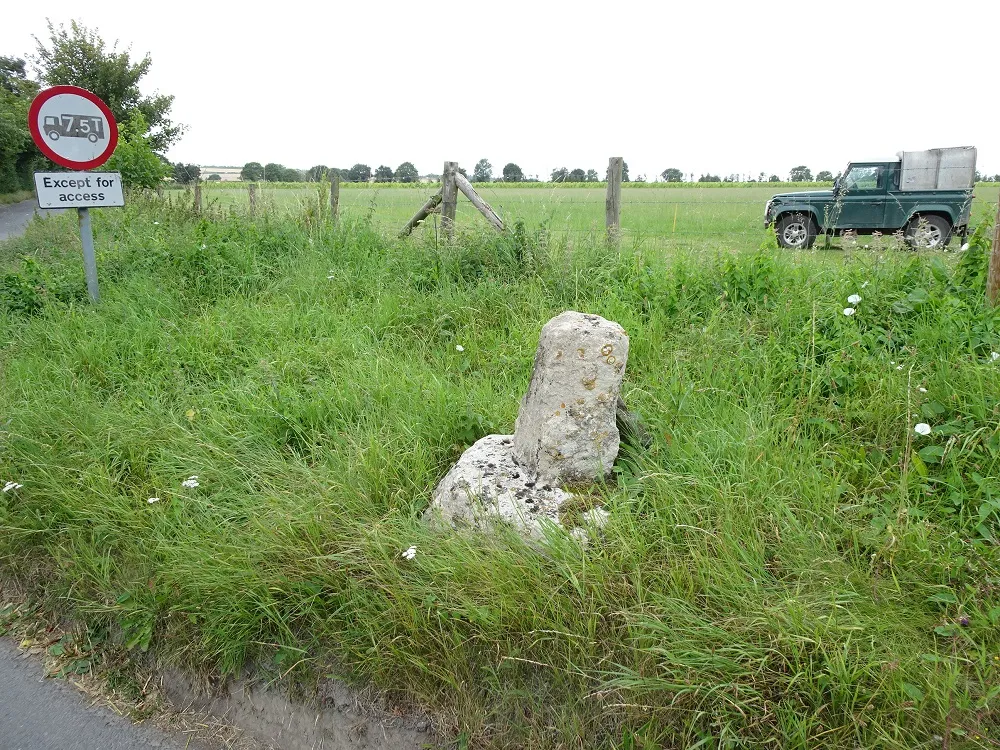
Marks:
<point>74,126</point>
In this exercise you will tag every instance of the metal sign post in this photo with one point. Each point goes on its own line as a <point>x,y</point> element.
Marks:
<point>89,259</point>
<point>76,130</point>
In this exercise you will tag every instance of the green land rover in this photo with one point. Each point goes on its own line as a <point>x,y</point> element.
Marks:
<point>927,195</point>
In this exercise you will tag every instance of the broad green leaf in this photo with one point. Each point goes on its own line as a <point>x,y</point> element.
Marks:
<point>913,691</point>
<point>943,597</point>
<point>931,454</point>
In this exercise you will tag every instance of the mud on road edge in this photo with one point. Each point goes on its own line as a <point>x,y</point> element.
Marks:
<point>250,712</point>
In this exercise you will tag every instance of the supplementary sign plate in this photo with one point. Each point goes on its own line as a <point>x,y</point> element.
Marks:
<point>72,127</point>
<point>78,189</point>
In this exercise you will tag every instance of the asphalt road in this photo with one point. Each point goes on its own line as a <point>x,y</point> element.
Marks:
<point>48,714</point>
<point>14,218</point>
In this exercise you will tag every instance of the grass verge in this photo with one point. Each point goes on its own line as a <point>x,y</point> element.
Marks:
<point>790,563</point>
<point>17,197</point>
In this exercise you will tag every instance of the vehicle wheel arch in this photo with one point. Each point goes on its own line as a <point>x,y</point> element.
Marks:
<point>939,211</point>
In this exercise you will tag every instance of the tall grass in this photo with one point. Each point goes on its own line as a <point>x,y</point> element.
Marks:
<point>789,564</point>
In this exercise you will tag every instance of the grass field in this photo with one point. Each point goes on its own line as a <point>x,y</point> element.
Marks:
<point>789,565</point>
<point>694,218</point>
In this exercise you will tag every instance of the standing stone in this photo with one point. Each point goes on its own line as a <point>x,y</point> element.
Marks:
<point>565,433</point>
<point>566,430</point>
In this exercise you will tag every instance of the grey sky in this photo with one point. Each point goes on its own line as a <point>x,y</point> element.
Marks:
<point>724,87</point>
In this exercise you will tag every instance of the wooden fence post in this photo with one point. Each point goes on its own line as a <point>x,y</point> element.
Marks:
<point>334,194</point>
<point>429,207</point>
<point>253,198</point>
<point>477,200</point>
<point>613,204</point>
<point>449,199</point>
<point>993,277</point>
<point>197,197</point>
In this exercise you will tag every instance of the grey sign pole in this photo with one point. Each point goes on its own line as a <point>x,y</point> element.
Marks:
<point>89,260</point>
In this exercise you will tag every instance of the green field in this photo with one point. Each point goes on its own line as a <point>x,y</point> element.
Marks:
<point>697,218</point>
<point>790,564</point>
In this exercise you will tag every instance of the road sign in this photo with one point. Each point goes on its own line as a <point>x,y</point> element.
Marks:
<point>79,189</point>
<point>72,127</point>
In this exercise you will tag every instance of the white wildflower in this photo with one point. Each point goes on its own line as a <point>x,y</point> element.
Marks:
<point>459,348</point>
<point>922,428</point>
<point>922,389</point>
<point>994,356</point>
<point>899,367</point>
<point>11,486</point>
<point>849,311</point>
<point>191,482</point>
<point>156,223</point>
<point>332,276</point>
<point>409,553</point>
<point>204,246</point>
<point>964,247</point>
<point>153,500</point>
<point>864,285</point>
<point>854,299</point>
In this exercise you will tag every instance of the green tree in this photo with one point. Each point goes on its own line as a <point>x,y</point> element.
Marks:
<point>592,175</point>
<point>290,174</point>
<point>252,171</point>
<point>214,177</point>
<point>512,173</point>
<point>560,175</point>
<point>383,173</point>
<point>79,57</point>
<point>317,173</point>
<point>185,174</point>
<point>273,172</point>
<point>774,178</point>
<point>359,173</point>
<point>483,171</point>
<point>18,154</point>
<point>824,176</point>
<point>800,174</point>
<point>140,166</point>
<point>577,175</point>
<point>709,178</point>
<point>672,174</point>
<point>406,172</point>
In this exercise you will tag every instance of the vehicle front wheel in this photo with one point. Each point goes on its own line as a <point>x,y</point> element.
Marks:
<point>796,231</point>
<point>928,233</point>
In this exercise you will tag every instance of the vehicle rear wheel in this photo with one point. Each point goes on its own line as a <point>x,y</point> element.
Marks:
<point>928,233</point>
<point>54,136</point>
<point>796,231</point>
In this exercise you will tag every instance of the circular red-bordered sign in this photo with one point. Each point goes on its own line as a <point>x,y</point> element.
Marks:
<point>73,127</point>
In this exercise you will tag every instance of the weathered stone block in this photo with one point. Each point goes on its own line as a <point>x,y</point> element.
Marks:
<point>566,429</point>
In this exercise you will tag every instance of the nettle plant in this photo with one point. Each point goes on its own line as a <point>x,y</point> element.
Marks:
<point>950,457</point>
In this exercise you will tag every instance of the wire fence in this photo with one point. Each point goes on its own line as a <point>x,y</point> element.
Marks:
<point>686,217</point>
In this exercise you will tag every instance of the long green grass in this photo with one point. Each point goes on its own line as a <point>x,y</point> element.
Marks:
<point>788,565</point>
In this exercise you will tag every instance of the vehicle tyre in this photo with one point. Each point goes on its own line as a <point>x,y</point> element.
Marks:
<point>54,135</point>
<point>92,137</point>
<point>796,231</point>
<point>928,233</point>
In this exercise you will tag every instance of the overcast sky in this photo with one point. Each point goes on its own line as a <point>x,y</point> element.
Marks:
<point>720,87</point>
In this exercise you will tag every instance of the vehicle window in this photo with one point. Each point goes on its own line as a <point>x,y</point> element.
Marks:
<point>863,178</point>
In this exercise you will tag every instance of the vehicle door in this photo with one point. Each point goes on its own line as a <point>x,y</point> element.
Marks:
<point>861,197</point>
